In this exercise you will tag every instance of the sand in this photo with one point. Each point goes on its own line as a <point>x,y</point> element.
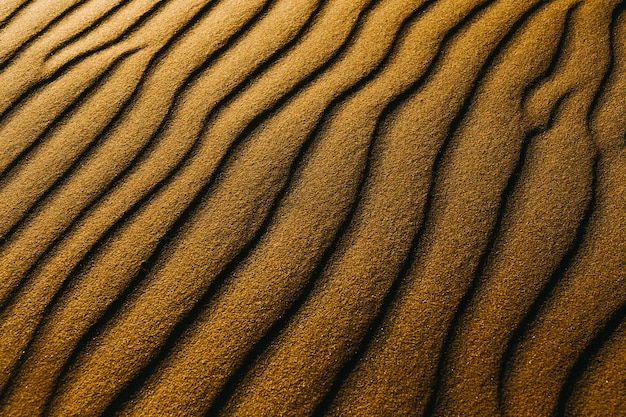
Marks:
<point>313,207</point>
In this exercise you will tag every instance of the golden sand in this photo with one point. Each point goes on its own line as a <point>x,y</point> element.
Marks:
<point>313,207</point>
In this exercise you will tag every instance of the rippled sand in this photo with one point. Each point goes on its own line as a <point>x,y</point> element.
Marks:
<point>313,207</point>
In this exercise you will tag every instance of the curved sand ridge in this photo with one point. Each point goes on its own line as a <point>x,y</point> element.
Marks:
<point>313,207</point>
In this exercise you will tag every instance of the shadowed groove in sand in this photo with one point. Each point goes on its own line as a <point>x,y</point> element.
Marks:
<point>427,208</point>
<point>73,62</point>
<point>145,199</point>
<point>277,327</point>
<point>155,135</point>
<point>6,60</point>
<point>14,13</point>
<point>102,135</point>
<point>586,357</point>
<point>67,112</point>
<point>484,258</point>
<point>101,240</point>
<point>546,292</point>
<point>128,214</point>
<point>617,12</point>
<point>127,105</point>
<point>506,194</point>
<point>159,185</point>
<point>568,257</point>
<point>105,16</point>
<point>120,113</point>
<point>602,337</point>
<point>219,280</point>
<point>589,354</point>
<point>326,401</point>
<point>555,58</point>
<point>167,342</point>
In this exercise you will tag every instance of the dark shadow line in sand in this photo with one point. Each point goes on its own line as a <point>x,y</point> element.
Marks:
<point>127,215</point>
<point>260,346</point>
<point>547,290</point>
<point>8,58</point>
<point>99,82</point>
<point>37,85</point>
<point>586,358</point>
<point>433,395</point>
<point>593,348</point>
<point>583,360</point>
<point>126,105</point>
<point>228,389</point>
<point>146,16</point>
<point>99,138</point>
<point>14,13</point>
<point>93,26</point>
<point>511,185</point>
<point>507,192</point>
<point>228,98</point>
<point>71,109</point>
<point>136,161</point>
<point>208,293</point>
<point>75,61</point>
<point>323,406</point>
<point>619,9</point>
<point>556,57</point>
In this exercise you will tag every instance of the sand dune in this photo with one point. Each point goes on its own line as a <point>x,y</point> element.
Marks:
<point>313,207</point>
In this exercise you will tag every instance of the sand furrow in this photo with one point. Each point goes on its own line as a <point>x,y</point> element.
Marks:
<point>23,174</point>
<point>598,373</point>
<point>92,163</point>
<point>221,345</point>
<point>17,308</point>
<point>37,228</point>
<point>607,114</point>
<point>468,332</point>
<point>158,286</point>
<point>10,10</point>
<point>16,249</point>
<point>578,116</point>
<point>96,223</point>
<point>90,20</point>
<point>335,280</point>
<point>405,400</point>
<point>23,35</point>
<point>49,109</point>
<point>601,280</point>
<point>62,265</point>
<point>20,80</point>
<point>116,25</point>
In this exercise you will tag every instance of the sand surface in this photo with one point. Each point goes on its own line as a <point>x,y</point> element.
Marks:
<point>313,207</point>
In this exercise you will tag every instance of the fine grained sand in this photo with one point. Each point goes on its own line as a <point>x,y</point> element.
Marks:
<point>313,207</point>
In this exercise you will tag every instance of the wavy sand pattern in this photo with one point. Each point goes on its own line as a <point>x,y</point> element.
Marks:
<point>313,207</point>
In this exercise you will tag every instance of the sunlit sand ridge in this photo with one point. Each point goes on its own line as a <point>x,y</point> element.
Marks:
<point>313,207</point>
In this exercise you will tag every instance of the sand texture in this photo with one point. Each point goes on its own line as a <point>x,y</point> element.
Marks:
<point>313,207</point>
